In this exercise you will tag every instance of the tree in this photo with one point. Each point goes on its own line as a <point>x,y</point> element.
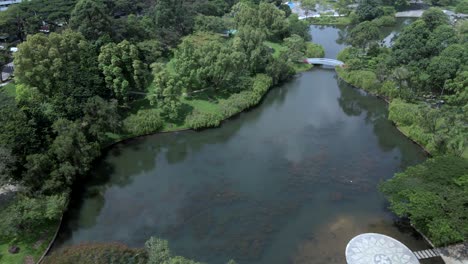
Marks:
<point>309,5</point>
<point>7,165</point>
<point>462,7</point>
<point>122,69</point>
<point>411,45</point>
<point>205,61</point>
<point>73,153</point>
<point>462,30</point>
<point>299,27</point>
<point>441,69</point>
<point>281,68</point>
<point>100,117</point>
<point>165,91</point>
<point>150,50</point>
<point>432,195</point>
<point>250,41</point>
<point>19,21</point>
<point>401,76</point>
<point>342,7</point>
<point>265,17</point>
<point>26,214</point>
<point>210,24</point>
<point>434,17</point>
<point>442,37</point>
<point>60,69</point>
<point>297,47</point>
<point>17,133</point>
<point>457,86</point>
<point>135,28</point>
<point>369,9</point>
<point>92,19</point>
<point>172,19</point>
<point>364,34</point>
<point>4,59</point>
<point>273,19</point>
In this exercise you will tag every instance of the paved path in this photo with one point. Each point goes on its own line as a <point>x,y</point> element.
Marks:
<point>7,71</point>
<point>324,61</point>
<point>138,93</point>
<point>454,254</point>
<point>8,188</point>
<point>412,13</point>
<point>419,13</point>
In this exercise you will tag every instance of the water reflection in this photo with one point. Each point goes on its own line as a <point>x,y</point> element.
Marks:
<point>288,182</point>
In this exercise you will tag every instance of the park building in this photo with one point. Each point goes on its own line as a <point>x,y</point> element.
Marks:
<point>4,4</point>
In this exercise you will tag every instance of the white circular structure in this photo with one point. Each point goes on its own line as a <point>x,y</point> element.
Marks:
<point>371,248</point>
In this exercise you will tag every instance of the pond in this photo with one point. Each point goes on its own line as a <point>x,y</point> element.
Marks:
<point>291,181</point>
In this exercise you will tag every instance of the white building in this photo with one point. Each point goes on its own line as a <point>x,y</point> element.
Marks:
<point>4,4</point>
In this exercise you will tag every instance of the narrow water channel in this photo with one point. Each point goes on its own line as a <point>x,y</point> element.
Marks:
<point>291,181</point>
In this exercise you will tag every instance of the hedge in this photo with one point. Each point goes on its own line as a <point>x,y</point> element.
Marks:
<point>143,122</point>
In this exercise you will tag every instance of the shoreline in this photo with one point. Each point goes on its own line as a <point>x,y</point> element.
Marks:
<point>127,139</point>
<point>388,103</point>
<point>405,135</point>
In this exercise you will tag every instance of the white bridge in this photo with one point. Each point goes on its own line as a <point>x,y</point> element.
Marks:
<point>324,61</point>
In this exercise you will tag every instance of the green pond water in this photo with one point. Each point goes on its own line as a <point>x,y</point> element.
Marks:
<point>291,181</point>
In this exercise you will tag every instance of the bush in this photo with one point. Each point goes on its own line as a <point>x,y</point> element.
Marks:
<point>462,7</point>
<point>241,101</point>
<point>198,120</point>
<point>363,79</point>
<point>402,113</point>
<point>261,84</point>
<point>385,21</point>
<point>238,102</point>
<point>433,196</point>
<point>144,122</point>
<point>388,10</point>
<point>98,254</point>
<point>315,50</point>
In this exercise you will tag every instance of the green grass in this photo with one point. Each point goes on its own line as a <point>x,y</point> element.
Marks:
<point>277,47</point>
<point>329,20</point>
<point>10,89</point>
<point>302,67</point>
<point>202,105</point>
<point>27,245</point>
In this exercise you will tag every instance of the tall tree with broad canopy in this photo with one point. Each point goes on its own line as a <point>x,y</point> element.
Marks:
<point>265,16</point>
<point>60,68</point>
<point>92,19</point>
<point>364,34</point>
<point>207,61</point>
<point>122,68</point>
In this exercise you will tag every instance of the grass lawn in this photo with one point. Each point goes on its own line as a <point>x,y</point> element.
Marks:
<point>277,47</point>
<point>302,67</point>
<point>10,89</point>
<point>329,20</point>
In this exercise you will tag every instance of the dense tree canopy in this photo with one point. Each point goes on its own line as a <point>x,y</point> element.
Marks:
<point>433,196</point>
<point>92,19</point>
<point>122,68</point>
<point>60,69</point>
<point>87,83</point>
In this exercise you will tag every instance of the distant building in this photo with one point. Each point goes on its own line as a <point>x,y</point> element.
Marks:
<point>4,4</point>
